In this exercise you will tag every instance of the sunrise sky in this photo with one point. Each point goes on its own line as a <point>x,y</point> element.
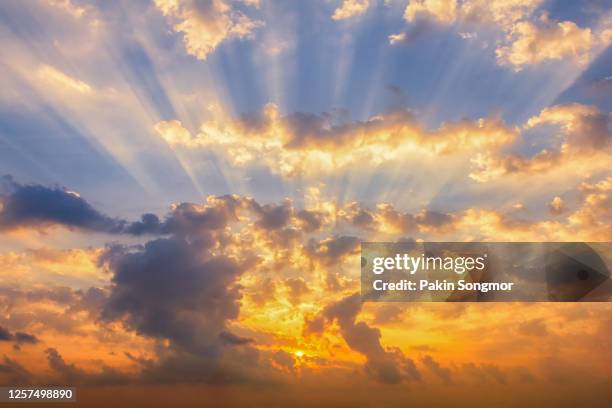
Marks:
<point>184,186</point>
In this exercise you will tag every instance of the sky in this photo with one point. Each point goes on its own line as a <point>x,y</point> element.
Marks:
<point>184,186</point>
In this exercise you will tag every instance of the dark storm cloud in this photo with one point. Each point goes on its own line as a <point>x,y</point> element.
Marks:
<point>389,366</point>
<point>176,290</point>
<point>35,205</point>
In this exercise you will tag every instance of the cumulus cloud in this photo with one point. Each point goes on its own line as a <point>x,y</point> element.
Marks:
<point>206,24</point>
<point>171,289</point>
<point>350,8</point>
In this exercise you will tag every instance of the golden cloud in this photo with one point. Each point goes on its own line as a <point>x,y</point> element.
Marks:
<point>350,8</point>
<point>442,10</point>
<point>502,13</point>
<point>204,26</point>
<point>527,42</point>
<point>53,78</point>
<point>531,44</point>
<point>301,143</point>
<point>583,145</point>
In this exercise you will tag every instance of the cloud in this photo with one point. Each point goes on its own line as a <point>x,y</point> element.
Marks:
<point>556,206</point>
<point>272,216</point>
<point>584,142</point>
<point>589,221</point>
<point>18,337</point>
<point>191,219</point>
<point>417,31</point>
<point>12,372</point>
<point>386,217</point>
<point>69,7</point>
<point>388,366</point>
<point>397,38</point>
<point>5,335</point>
<point>72,374</point>
<point>350,8</point>
<point>585,127</point>
<point>172,289</point>
<point>39,206</point>
<point>297,287</point>
<point>502,13</point>
<point>286,234</point>
<point>56,79</point>
<point>206,24</point>
<point>535,327</point>
<point>531,44</point>
<point>442,372</point>
<point>444,11</point>
<point>527,41</point>
<point>332,250</point>
<point>304,143</point>
<point>186,300</point>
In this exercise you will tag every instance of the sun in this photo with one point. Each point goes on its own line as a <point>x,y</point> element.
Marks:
<point>299,354</point>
